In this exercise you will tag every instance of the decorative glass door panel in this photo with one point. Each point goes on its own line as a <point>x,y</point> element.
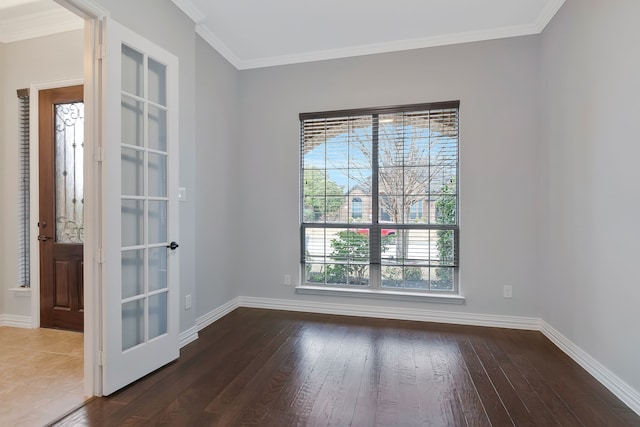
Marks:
<point>144,198</point>
<point>69,149</point>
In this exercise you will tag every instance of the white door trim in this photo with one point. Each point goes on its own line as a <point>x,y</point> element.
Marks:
<point>94,15</point>
<point>34,189</point>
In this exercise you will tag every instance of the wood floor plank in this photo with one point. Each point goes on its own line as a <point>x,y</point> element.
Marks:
<point>367,397</point>
<point>386,409</point>
<point>274,368</point>
<point>516,409</point>
<point>243,392</point>
<point>586,397</point>
<point>304,401</point>
<point>472,406</point>
<point>346,391</point>
<point>491,400</point>
<point>167,390</point>
<point>435,389</point>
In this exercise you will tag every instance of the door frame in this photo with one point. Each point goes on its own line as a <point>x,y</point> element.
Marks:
<point>34,190</point>
<point>94,16</point>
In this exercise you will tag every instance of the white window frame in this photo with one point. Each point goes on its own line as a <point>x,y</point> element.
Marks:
<point>375,228</point>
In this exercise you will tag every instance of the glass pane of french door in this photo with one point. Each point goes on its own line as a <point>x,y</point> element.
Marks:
<point>144,198</point>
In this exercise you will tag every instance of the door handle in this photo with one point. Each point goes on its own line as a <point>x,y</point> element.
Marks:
<point>173,246</point>
<point>43,238</point>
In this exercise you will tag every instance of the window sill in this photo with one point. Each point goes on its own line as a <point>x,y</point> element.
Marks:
<point>381,294</point>
<point>21,292</point>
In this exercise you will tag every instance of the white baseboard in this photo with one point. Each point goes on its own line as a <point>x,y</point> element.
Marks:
<point>188,336</point>
<point>611,381</point>
<point>510,322</point>
<point>16,321</point>
<point>617,386</point>
<point>226,308</point>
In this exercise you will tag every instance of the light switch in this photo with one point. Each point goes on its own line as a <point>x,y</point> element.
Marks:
<point>182,194</point>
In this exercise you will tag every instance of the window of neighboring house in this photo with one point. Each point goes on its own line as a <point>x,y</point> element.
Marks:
<point>24,279</point>
<point>416,211</point>
<point>356,208</point>
<point>405,162</point>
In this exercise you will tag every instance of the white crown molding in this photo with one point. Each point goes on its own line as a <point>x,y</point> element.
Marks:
<point>16,321</point>
<point>396,46</point>
<point>611,381</point>
<point>85,8</point>
<point>38,25</point>
<point>213,40</point>
<point>190,9</point>
<point>551,8</point>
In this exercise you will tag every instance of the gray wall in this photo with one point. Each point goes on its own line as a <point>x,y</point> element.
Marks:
<point>590,75</point>
<point>497,85</point>
<point>216,194</point>
<point>39,60</point>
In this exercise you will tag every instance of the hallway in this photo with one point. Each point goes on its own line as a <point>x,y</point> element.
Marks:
<point>41,375</point>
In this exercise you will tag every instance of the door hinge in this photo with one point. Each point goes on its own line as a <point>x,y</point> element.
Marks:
<point>99,256</point>
<point>101,51</point>
<point>99,156</point>
<point>101,359</point>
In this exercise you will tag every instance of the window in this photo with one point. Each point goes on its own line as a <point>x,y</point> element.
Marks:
<point>403,162</point>
<point>416,211</point>
<point>23,190</point>
<point>356,208</point>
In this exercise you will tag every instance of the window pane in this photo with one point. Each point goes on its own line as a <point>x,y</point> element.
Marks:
<point>157,222</point>
<point>132,130</point>
<point>132,223</point>
<point>157,128</point>
<point>157,82</point>
<point>157,268</point>
<point>343,252</point>
<point>132,273</point>
<point>157,175</point>
<point>69,154</point>
<point>132,71</point>
<point>132,164</point>
<point>157,315</point>
<point>132,324</point>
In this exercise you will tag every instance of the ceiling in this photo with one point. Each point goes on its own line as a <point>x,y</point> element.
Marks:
<point>263,33</point>
<point>26,19</point>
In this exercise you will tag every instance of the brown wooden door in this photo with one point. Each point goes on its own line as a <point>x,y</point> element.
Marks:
<point>61,222</point>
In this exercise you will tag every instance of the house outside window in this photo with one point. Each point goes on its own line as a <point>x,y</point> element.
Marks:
<point>375,179</point>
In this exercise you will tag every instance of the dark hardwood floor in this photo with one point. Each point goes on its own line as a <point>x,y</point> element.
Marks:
<point>274,368</point>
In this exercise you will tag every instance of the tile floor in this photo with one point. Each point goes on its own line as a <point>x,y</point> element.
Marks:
<point>41,375</point>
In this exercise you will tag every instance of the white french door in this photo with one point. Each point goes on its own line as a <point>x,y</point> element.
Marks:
<point>140,288</point>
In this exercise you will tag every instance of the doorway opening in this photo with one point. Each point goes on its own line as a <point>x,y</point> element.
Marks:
<point>61,207</point>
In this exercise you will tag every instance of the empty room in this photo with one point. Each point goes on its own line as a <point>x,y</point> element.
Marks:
<point>326,213</point>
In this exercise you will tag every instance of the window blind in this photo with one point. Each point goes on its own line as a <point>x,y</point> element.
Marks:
<point>379,197</point>
<point>24,279</point>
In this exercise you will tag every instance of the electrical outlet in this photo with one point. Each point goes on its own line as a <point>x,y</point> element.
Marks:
<point>187,302</point>
<point>287,280</point>
<point>507,292</point>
